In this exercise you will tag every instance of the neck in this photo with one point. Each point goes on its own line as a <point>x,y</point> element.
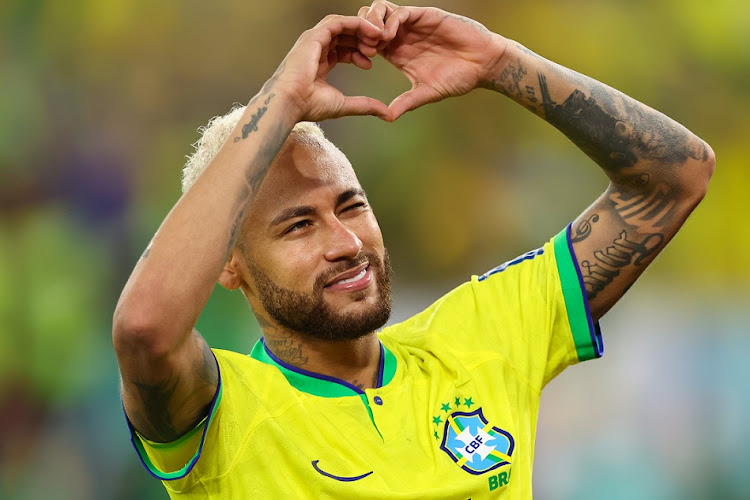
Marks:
<point>355,361</point>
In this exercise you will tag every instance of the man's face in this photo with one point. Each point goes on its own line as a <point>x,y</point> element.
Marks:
<point>314,252</point>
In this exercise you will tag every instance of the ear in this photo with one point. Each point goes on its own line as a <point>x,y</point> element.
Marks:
<point>231,277</point>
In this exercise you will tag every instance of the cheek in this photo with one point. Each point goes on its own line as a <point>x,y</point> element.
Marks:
<point>294,265</point>
<point>370,232</point>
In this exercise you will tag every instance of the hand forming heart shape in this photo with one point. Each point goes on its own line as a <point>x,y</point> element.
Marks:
<point>442,55</point>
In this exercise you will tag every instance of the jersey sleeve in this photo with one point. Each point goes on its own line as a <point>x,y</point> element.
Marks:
<point>531,311</point>
<point>173,461</point>
<point>210,450</point>
<point>535,310</point>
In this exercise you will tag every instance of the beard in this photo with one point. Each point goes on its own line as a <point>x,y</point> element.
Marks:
<point>309,314</point>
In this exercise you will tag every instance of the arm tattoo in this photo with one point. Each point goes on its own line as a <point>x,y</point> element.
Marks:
<point>252,125</point>
<point>647,211</point>
<point>265,156</point>
<point>531,94</point>
<point>598,134</point>
<point>637,181</point>
<point>509,81</point>
<point>157,398</point>
<point>617,132</point>
<point>241,210</point>
<point>584,229</point>
<point>255,176</point>
<point>608,262</point>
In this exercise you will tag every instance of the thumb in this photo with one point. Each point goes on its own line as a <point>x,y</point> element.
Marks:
<point>412,99</point>
<point>363,105</point>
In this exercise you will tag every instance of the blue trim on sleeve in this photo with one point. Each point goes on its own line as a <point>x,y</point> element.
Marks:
<point>502,267</point>
<point>184,471</point>
<point>596,332</point>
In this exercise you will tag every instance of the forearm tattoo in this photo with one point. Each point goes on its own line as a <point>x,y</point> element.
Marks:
<point>607,263</point>
<point>640,149</point>
<point>509,81</point>
<point>616,131</point>
<point>252,125</point>
<point>647,211</point>
<point>583,230</point>
<point>257,168</point>
<point>155,417</point>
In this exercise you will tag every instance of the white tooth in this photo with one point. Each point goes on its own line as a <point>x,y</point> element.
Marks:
<point>354,278</point>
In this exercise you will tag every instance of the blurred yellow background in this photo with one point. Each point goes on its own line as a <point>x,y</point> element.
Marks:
<point>100,101</point>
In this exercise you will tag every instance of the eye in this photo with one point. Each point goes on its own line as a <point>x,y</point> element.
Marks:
<point>297,226</point>
<point>355,206</point>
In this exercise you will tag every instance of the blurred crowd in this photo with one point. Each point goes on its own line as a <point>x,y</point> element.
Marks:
<point>100,101</point>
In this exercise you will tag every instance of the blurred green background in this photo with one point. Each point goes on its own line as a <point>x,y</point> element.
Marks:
<point>100,101</point>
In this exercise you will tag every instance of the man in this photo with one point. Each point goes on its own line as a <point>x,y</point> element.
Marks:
<point>443,405</point>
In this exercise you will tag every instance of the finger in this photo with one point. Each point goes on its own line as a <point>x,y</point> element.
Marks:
<point>352,25</point>
<point>399,16</point>
<point>362,105</point>
<point>412,99</point>
<point>361,61</point>
<point>334,25</point>
<point>389,6</point>
<point>349,55</point>
<point>346,41</point>
<point>326,65</point>
<point>354,42</point>
<point>362,12</point>
<point>376,14</point>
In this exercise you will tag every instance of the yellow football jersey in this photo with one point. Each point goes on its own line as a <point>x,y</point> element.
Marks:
<point>453,416</point>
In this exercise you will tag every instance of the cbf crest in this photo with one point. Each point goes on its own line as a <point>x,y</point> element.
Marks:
<point>475,444</point>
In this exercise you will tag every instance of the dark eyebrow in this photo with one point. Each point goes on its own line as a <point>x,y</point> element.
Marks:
<point>291,213</point>
<point>349,194</point>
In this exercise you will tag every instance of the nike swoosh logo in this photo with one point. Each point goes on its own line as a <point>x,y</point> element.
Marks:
<point>338,478</point>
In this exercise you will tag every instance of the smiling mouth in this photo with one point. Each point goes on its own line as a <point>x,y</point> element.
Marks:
<point>358,277</point>
<point>349,276</point>
<point>354,279</point>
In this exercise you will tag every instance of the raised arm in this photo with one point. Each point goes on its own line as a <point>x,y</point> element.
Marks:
<point>658,170</point>
<point>169,375</point>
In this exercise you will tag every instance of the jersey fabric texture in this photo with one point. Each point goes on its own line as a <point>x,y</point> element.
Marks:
<point>453,416</point>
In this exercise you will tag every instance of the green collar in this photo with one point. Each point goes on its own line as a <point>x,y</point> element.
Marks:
<point>323,385</point>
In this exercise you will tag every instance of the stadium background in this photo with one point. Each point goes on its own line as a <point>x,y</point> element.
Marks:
<point>99,102</point>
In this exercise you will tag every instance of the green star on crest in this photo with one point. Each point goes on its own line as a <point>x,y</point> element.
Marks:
<point>436,435</point>
<point>436,420</point>
<point>445,407</point>
<point>468,402</point>
<point>458,402</point>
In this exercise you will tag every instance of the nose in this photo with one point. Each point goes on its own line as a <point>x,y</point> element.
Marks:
<point>342,242</point>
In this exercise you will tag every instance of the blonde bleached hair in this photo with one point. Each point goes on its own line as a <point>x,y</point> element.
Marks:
<point>217,131</point>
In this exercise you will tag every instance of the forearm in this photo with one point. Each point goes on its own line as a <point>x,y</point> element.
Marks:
<point>625,137</point>
<point>175,276</point>
<point>659,170</point>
